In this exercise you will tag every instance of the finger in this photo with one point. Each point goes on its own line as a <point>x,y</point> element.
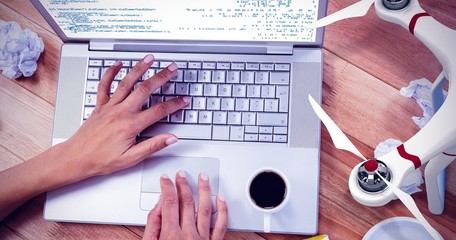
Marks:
<point>104,86</point>
<point>186,203</point>
<point>159,111</point>
<point>221,221</point>
<point>204,206</point>
<point>148,147</point>
<point>153,226</point>
<point>147,87</point>
<point>127,83</point>
<point>170,205</point>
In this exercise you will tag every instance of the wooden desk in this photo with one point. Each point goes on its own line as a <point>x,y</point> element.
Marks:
<point>367,61</point>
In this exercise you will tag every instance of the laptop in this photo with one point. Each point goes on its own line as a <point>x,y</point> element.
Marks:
<point>261,54</point>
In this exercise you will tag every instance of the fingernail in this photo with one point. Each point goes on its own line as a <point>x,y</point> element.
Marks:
<point>171,140</point>
<point>172,67</point>
<point>220,196</point>
<point>186,99</point>
<point>182,174</point>
<point>164,176</point>
<point>149,58</point>
<point>117,63</point>
<point>203,176</point>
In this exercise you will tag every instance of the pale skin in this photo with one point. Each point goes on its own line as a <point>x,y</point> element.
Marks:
<point>94,150</point>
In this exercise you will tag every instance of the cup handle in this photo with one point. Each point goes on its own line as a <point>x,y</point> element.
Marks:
<point>267,222</point>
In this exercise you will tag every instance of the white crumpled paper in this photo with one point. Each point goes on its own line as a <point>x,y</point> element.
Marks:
<point>420,90</point>
<point>19,50</point>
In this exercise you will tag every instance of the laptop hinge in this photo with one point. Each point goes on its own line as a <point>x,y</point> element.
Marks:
<point>142,46</point>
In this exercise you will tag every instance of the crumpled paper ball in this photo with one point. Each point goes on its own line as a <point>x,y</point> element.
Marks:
<point>19,50</point>
<point>420,90</point>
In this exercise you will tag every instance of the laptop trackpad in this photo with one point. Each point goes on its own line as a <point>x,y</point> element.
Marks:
<point>154,167</point>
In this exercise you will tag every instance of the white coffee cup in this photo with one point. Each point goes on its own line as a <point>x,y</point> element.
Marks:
<point>268,190</point>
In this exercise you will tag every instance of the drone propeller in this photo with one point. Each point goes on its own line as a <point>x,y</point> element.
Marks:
<point>342,142</point>
<point>358,9</point>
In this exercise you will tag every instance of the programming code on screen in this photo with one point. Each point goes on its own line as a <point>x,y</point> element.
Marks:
<point>242,20</point>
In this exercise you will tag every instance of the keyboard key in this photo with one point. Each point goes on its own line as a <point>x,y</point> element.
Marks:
<point>191,116</point>
<point>272,119</point>
<point>267,66</point>
<point>256,105</point>
<point>262,77</point>
<point>271,105</point>
<point>194,65</point>
<point>177,117</point>
<point>280,78</point>
<point>190,75</point>
<point>209,65</point>
<point>223,65</point>
<point>252,66</point>
<point>219,117</point>
<point>237,133</point>
<point>253,91</point>
<point>282,67</point>
<point>247,77</point>
<point>182,88</point>
<point>221,132</point>
<point>213,103</point>
<point>227,104</point>
<point>239,90</point>
<point>196,89</point>
<point>96,62</point>
<point>233,77</point>
<point>234,118</point>
<point>251,137</point>
<point>91,99</point>
<point>92,86</point>
<point>182,131</point>
<point>205,76</point>
<point>248,118</point>
<point>205,117</point>
<point>237,66</point>
<point>282,93</point>
<point>265,138</point>
<point>280,138</point>
<point>251,129</point>
<point>268,91</point>
<point>242,104</point>
<point>93,73</point>
<point>224,90</point>
<point>219,77</point>
<point>210,90</point>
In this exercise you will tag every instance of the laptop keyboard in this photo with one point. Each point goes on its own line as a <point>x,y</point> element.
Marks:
<point>231,101</point>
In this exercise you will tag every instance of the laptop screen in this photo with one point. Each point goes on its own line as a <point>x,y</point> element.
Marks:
<point>221,20</point>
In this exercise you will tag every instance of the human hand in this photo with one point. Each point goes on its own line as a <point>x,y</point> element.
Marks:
<point>173,217</point>
<point>106,142</point>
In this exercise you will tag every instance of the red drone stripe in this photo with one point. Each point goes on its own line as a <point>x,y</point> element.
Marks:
<point>404,154</point>
<point>448,154</point>
<point>414,20</point>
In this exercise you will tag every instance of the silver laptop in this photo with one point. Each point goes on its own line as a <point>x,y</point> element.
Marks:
<point>249,67</point>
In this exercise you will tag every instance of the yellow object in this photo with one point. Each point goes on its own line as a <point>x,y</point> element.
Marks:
<point>320,237</point>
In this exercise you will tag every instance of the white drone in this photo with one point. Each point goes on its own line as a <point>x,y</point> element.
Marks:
<point>374,182</point>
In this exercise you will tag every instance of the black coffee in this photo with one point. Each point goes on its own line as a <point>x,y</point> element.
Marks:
<point>268,190</point>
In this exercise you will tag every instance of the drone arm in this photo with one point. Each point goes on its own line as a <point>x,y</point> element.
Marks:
<point>436,36</point>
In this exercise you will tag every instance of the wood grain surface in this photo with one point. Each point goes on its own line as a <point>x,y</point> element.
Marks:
<point>366,62</point>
